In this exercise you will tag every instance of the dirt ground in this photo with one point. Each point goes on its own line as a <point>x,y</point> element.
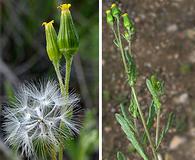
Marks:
<point>164,44</point>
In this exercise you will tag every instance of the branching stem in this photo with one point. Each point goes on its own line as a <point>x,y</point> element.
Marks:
<point>144,124</point>
<point>118,38</point>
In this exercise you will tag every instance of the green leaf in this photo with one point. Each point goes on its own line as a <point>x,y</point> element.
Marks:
<point>126,117</point>
<point>120,156</point>
<point>150,120</point>
<point>131,136</point>
<point>132,71</point>
<point>115,42</point>
<point>133,107</point>
<point>166,128</point>
<point>153,92</point>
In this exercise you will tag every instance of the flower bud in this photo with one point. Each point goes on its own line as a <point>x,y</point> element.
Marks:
<point>109,17</point>
<point>68,40</point>
<point>128,24</point>
<point>115,10</point>
<point>51,42</point>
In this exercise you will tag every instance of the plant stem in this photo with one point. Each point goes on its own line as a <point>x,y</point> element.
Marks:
<point>135,124</point>
<point>133,91</point>
<point>53,154</point>
<point>61,153</point>
<point>144,124</point>
<point>66,89</point>
<point>121,46</point>
<point>68,70</point>
<point>57,70</point>
<point>157,126</point>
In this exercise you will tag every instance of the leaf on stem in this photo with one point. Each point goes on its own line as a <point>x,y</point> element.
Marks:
<point>156,89</point>
<point>132,71</point>
<point>133,107</point>
<point>166,128</point>
<point>115,42</point>
<point>120,156</point>
<point>150,120</point>
<point>130,135</point>
<point>126,117</point>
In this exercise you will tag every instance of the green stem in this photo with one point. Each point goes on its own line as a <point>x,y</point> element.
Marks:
<point>144,124</point>
<point>57,70</point>
<point>61,153</point>
<point>68,70</point>
<point>135,124</point>
<point>67,80</point>
<point>121,46</point>
<point>157,126</point>
<point>53,154</point>
<point>133,91</point>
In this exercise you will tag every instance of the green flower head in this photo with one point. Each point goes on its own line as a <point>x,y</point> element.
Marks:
<point>115,10</point>
<point>68,40</point>
<point>51,41</point>
<point>128,24</point>
<point>109,17</point>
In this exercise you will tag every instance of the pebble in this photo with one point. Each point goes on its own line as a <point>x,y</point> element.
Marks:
<point>107,129</point>
<point>176,142</point>
<point>172,28</point>
<point>182,99</point>
<point>168,156</point>
<point>192,132</point>
<point>192,57</point>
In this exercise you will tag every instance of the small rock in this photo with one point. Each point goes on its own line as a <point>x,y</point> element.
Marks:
<point>190,33</point>
<point>172,28</point>
<point>182,99</point>
<point>192,57</point>
<point>192,132</point>
<point>107,129</point>
<point>176,142</point>
<point>168,156</point>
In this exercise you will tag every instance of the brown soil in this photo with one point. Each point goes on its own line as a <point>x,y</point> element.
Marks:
<point>164,44</point>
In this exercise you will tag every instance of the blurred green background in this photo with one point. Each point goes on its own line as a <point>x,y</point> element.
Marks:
<point>23,57</point>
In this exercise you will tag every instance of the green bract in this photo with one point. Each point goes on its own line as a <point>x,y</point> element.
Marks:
<point>128,24</point>
<point>115,10</point>
<point>68,40</point>
<point>51,42</point>
<point>109,17</point>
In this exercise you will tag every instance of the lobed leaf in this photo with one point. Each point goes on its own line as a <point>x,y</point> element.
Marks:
<point>154,93</point>
<point>131,136</point>
<point>133,108</point>
<point>126,117</point>
<point>150,120</point>
<point>132,71</point>
<point>120,156</point>
<point>166,128</point>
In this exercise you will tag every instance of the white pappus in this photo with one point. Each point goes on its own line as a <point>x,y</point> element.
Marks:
<point>35,115</point>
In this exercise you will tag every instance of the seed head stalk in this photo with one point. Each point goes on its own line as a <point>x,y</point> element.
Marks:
<point>119,42</point>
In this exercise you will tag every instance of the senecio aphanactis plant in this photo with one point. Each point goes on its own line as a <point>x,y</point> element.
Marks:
<point>132,114</point>
<point>43,115</point>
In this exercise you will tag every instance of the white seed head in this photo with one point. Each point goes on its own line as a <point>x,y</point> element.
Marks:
<point>33,119</point>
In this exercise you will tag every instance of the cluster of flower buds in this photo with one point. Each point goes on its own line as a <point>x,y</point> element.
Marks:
<point>66,42</point>
<point>115,13</point>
